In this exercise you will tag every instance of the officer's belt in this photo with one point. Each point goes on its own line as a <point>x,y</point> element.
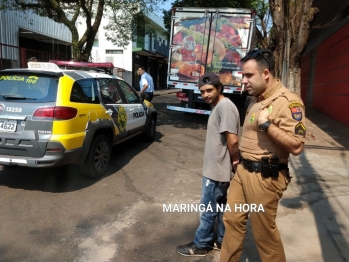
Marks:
<point>253,166</point>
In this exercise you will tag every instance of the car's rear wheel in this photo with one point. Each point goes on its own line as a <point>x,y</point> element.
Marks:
<point>98,158</point>
<point>149,134</point>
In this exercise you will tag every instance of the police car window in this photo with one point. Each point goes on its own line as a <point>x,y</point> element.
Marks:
<point>129,93</point>
<point>28,88</point>
<point>109,92</point>
<point>85,91</point>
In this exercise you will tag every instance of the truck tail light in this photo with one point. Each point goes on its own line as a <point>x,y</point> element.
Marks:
<point>55,113</point>
<point>181,95</point>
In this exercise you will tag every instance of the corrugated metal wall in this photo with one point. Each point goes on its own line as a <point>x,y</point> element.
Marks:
<point>11,21</point>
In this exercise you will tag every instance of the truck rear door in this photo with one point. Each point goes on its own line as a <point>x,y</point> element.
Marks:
<point>212,40</point>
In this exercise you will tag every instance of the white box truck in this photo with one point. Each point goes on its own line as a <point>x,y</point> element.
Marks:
<point>208,40</point>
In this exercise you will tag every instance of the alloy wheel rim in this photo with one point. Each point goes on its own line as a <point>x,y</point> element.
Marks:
<point>101,155</point>
<point>152,128</point>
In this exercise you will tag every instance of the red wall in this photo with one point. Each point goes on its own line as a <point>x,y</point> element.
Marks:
<point>305,72</point>
<point>331,79</point>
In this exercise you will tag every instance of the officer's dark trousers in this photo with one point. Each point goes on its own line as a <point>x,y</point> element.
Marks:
<point>251,188</point>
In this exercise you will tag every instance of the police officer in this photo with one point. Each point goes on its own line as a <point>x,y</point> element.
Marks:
<point>273,128</point>
<point>146,84</point>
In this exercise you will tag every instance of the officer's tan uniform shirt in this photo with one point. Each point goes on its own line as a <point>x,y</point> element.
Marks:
<point>286,111</point>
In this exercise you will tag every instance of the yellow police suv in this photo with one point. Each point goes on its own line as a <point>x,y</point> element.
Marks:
<point>52,117</point>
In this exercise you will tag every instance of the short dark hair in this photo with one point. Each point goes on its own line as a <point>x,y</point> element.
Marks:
<point>141,67</point>
<point>210,79</point>
<point>263,57</point>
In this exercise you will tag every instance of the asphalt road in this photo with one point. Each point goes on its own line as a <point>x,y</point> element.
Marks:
<point>58,215</point>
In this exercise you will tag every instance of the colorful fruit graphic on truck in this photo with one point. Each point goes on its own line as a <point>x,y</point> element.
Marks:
<point>209,43</point>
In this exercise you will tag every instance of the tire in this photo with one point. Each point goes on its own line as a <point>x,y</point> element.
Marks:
<point>98,158</point>
<point>149,134</point>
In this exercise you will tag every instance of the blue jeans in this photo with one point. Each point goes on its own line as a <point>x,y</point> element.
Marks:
<point>214,194</point>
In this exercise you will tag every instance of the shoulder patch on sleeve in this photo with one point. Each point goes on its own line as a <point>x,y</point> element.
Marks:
<point>300,129</point>
<point>296,111</point>
<point>295,104</point>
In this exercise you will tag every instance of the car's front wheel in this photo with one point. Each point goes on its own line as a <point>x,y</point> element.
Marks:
<point>149,134</point>
<point>98,158</point>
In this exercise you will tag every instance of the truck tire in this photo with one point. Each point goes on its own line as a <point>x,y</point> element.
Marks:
<point>98,158</point>
<point>149,134</point>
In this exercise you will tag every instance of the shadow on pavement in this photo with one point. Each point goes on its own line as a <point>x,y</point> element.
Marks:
<point>336,131</point>
<point>69,178</point>
<point>319,173</point>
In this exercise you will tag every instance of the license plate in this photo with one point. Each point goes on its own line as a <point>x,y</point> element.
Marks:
<point>8,125</point>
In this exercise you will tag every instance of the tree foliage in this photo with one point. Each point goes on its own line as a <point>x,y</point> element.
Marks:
<point>121,15</point>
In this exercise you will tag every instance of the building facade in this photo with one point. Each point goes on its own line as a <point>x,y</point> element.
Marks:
<point>149,50</point>
<point>25,34</point>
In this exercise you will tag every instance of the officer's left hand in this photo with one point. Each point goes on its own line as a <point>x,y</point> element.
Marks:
<point>263,116</point>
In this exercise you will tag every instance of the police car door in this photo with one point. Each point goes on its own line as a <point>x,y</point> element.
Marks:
<point>114,105</point>
<point>136,109</point>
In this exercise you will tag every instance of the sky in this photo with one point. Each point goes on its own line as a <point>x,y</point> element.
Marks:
<point>166,6</point>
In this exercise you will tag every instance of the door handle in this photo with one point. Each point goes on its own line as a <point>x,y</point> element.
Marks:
<point>109,112</point>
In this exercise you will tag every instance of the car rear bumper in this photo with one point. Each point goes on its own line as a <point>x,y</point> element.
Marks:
<point>48,160</point>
